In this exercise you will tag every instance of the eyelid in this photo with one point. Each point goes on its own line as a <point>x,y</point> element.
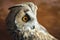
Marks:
<point>26,10</point>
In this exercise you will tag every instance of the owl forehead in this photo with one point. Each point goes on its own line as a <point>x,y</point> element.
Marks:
<point>25,11</point>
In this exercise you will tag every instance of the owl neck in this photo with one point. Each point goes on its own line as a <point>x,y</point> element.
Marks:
<point>40,27</point>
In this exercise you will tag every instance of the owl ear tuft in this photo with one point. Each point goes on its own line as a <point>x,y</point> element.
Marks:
<point>32,6</point>
<point>12,7</point>
<point>15,7</point>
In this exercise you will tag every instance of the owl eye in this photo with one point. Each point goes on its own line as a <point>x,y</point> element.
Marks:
<point>26,18</point>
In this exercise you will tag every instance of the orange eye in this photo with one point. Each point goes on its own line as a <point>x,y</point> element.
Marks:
<point>25,18</point>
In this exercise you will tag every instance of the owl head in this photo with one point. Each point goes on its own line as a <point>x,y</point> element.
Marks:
<point>22,20</point>
<point>22,16</point>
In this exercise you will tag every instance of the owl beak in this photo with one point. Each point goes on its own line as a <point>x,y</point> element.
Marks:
<point>33,27</point>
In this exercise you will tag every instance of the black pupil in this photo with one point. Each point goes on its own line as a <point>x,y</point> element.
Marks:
<point>26,18</point>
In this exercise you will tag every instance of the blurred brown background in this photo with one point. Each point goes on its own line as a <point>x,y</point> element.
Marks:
<point>48,15</point>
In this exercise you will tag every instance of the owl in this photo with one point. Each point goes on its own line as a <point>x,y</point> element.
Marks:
<point>22,23</point>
